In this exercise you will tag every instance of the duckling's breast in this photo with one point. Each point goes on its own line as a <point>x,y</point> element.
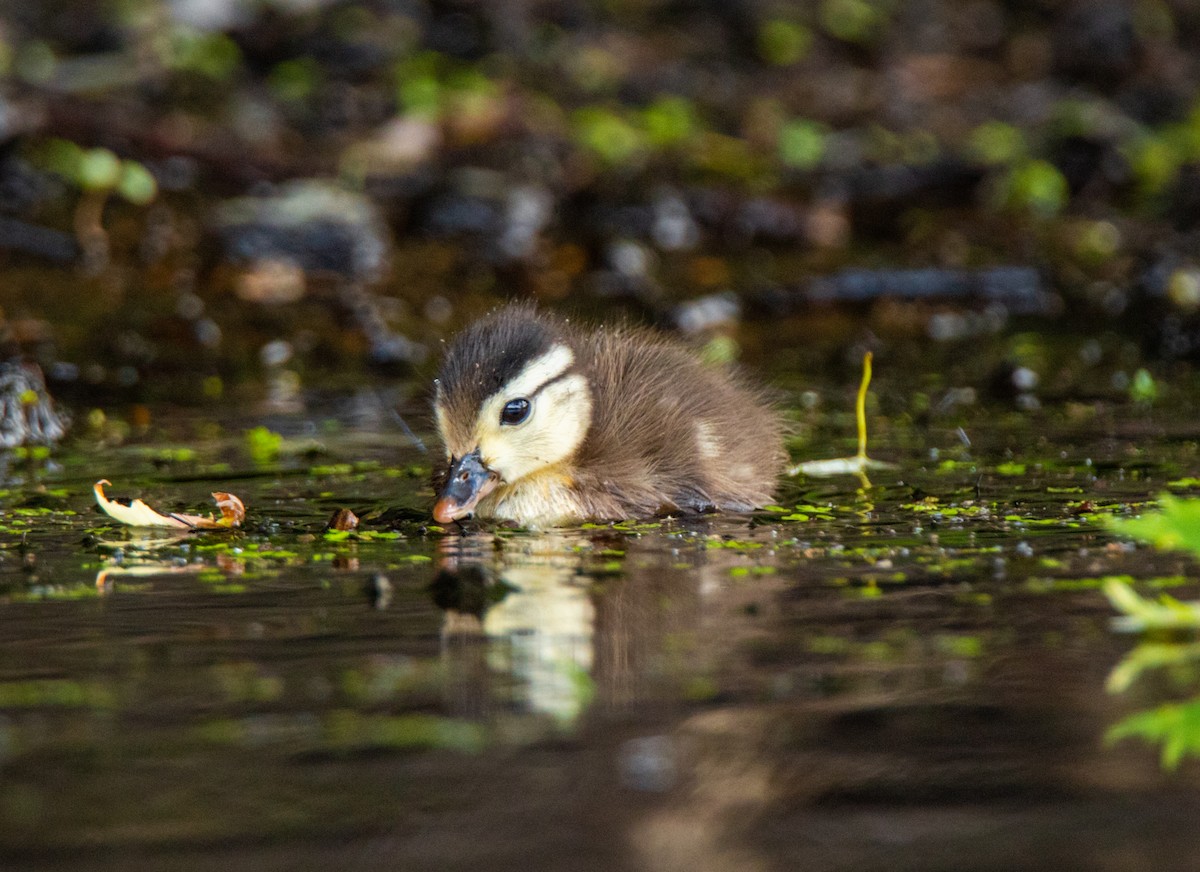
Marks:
<point>544,499</point>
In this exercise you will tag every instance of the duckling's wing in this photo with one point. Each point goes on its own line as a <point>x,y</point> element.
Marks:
<point>671,432</point>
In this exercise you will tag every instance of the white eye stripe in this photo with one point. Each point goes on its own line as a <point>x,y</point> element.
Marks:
<point>538,372</point>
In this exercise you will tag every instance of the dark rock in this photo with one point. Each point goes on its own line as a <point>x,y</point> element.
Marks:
<point>1095,41</point>
<point>1019,289</point>
<point>313,224</point>
<point>43,242</point>
<point>27,414</point>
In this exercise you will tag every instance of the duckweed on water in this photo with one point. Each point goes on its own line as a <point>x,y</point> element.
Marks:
<point>732,544</point>
<point>348,730</point>
<point>746,571</point>
<point>1010,469</point>
<point>56,692</point>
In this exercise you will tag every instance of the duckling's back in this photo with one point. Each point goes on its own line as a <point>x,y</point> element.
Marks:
<point>669,431</point>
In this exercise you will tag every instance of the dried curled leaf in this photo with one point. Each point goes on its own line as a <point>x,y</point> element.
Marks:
<point>138,514</point>
<point>233,510</point>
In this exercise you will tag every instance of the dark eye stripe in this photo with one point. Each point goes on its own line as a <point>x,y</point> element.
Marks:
<point>562,375</point>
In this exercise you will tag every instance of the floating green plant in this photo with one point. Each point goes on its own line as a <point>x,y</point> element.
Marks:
<point>1143,388</point>
<point>669,121</point>
<point>802,143</point>
<point>782,42</point>
<point>997,143</point>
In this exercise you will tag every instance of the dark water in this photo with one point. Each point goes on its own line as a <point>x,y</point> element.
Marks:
<point>909,675</point>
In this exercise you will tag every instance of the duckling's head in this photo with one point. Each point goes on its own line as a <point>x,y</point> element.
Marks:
<point>511,401</point>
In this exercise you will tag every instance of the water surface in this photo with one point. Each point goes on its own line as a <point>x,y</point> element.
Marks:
<point>908,674</point>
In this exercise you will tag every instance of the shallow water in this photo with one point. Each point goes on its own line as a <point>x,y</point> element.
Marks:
<point>908,674</point>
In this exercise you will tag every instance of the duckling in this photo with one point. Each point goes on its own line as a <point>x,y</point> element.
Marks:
<point>546,423</point>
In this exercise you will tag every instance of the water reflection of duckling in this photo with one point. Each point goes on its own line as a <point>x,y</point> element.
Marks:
<point>545,423</point>
<point>526,598</point>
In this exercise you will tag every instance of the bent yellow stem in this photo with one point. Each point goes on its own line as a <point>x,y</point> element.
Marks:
<point>860,406</point>
<point>860,462</point>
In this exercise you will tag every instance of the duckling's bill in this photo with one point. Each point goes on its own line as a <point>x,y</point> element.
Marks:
<point>468,481</point>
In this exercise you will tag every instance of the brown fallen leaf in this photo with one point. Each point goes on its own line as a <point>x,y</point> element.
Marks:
<point>138,514</point>
<point>342,520</point>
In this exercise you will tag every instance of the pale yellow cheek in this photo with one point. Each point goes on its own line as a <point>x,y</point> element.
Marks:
<point>561,415</point>
<point>443,428</point>
<point>493,445</point>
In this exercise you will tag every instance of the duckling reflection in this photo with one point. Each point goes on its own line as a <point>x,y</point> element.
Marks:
<point>532,611</point>
<point>539,623</point>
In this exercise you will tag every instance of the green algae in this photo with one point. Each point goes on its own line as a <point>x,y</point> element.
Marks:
<point>58,693</point>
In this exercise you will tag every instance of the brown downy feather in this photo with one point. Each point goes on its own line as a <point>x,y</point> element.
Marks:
<point>669,431</point>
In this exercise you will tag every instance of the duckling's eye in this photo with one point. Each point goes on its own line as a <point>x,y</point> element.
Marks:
<point>515,411</point>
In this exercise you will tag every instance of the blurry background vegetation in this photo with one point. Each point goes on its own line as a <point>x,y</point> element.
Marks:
<point>201,191</point>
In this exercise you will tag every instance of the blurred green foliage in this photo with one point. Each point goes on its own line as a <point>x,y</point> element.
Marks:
<point>859,21</point>
<point>783,43</point>
<point>98,170</point>
<point>1171,626</point>
<point>998,143</point>
<point>669,120</point>
<point>1142,387</point>
<point>263,445</point>
<point>1176,525</point>
<point>295,80</point>
<point>214,55</point>
<point>1034,186</point>
<point>802,143</point>
<point>1174,726</point>
<point>608,134</point>
<point>1007,127</point>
